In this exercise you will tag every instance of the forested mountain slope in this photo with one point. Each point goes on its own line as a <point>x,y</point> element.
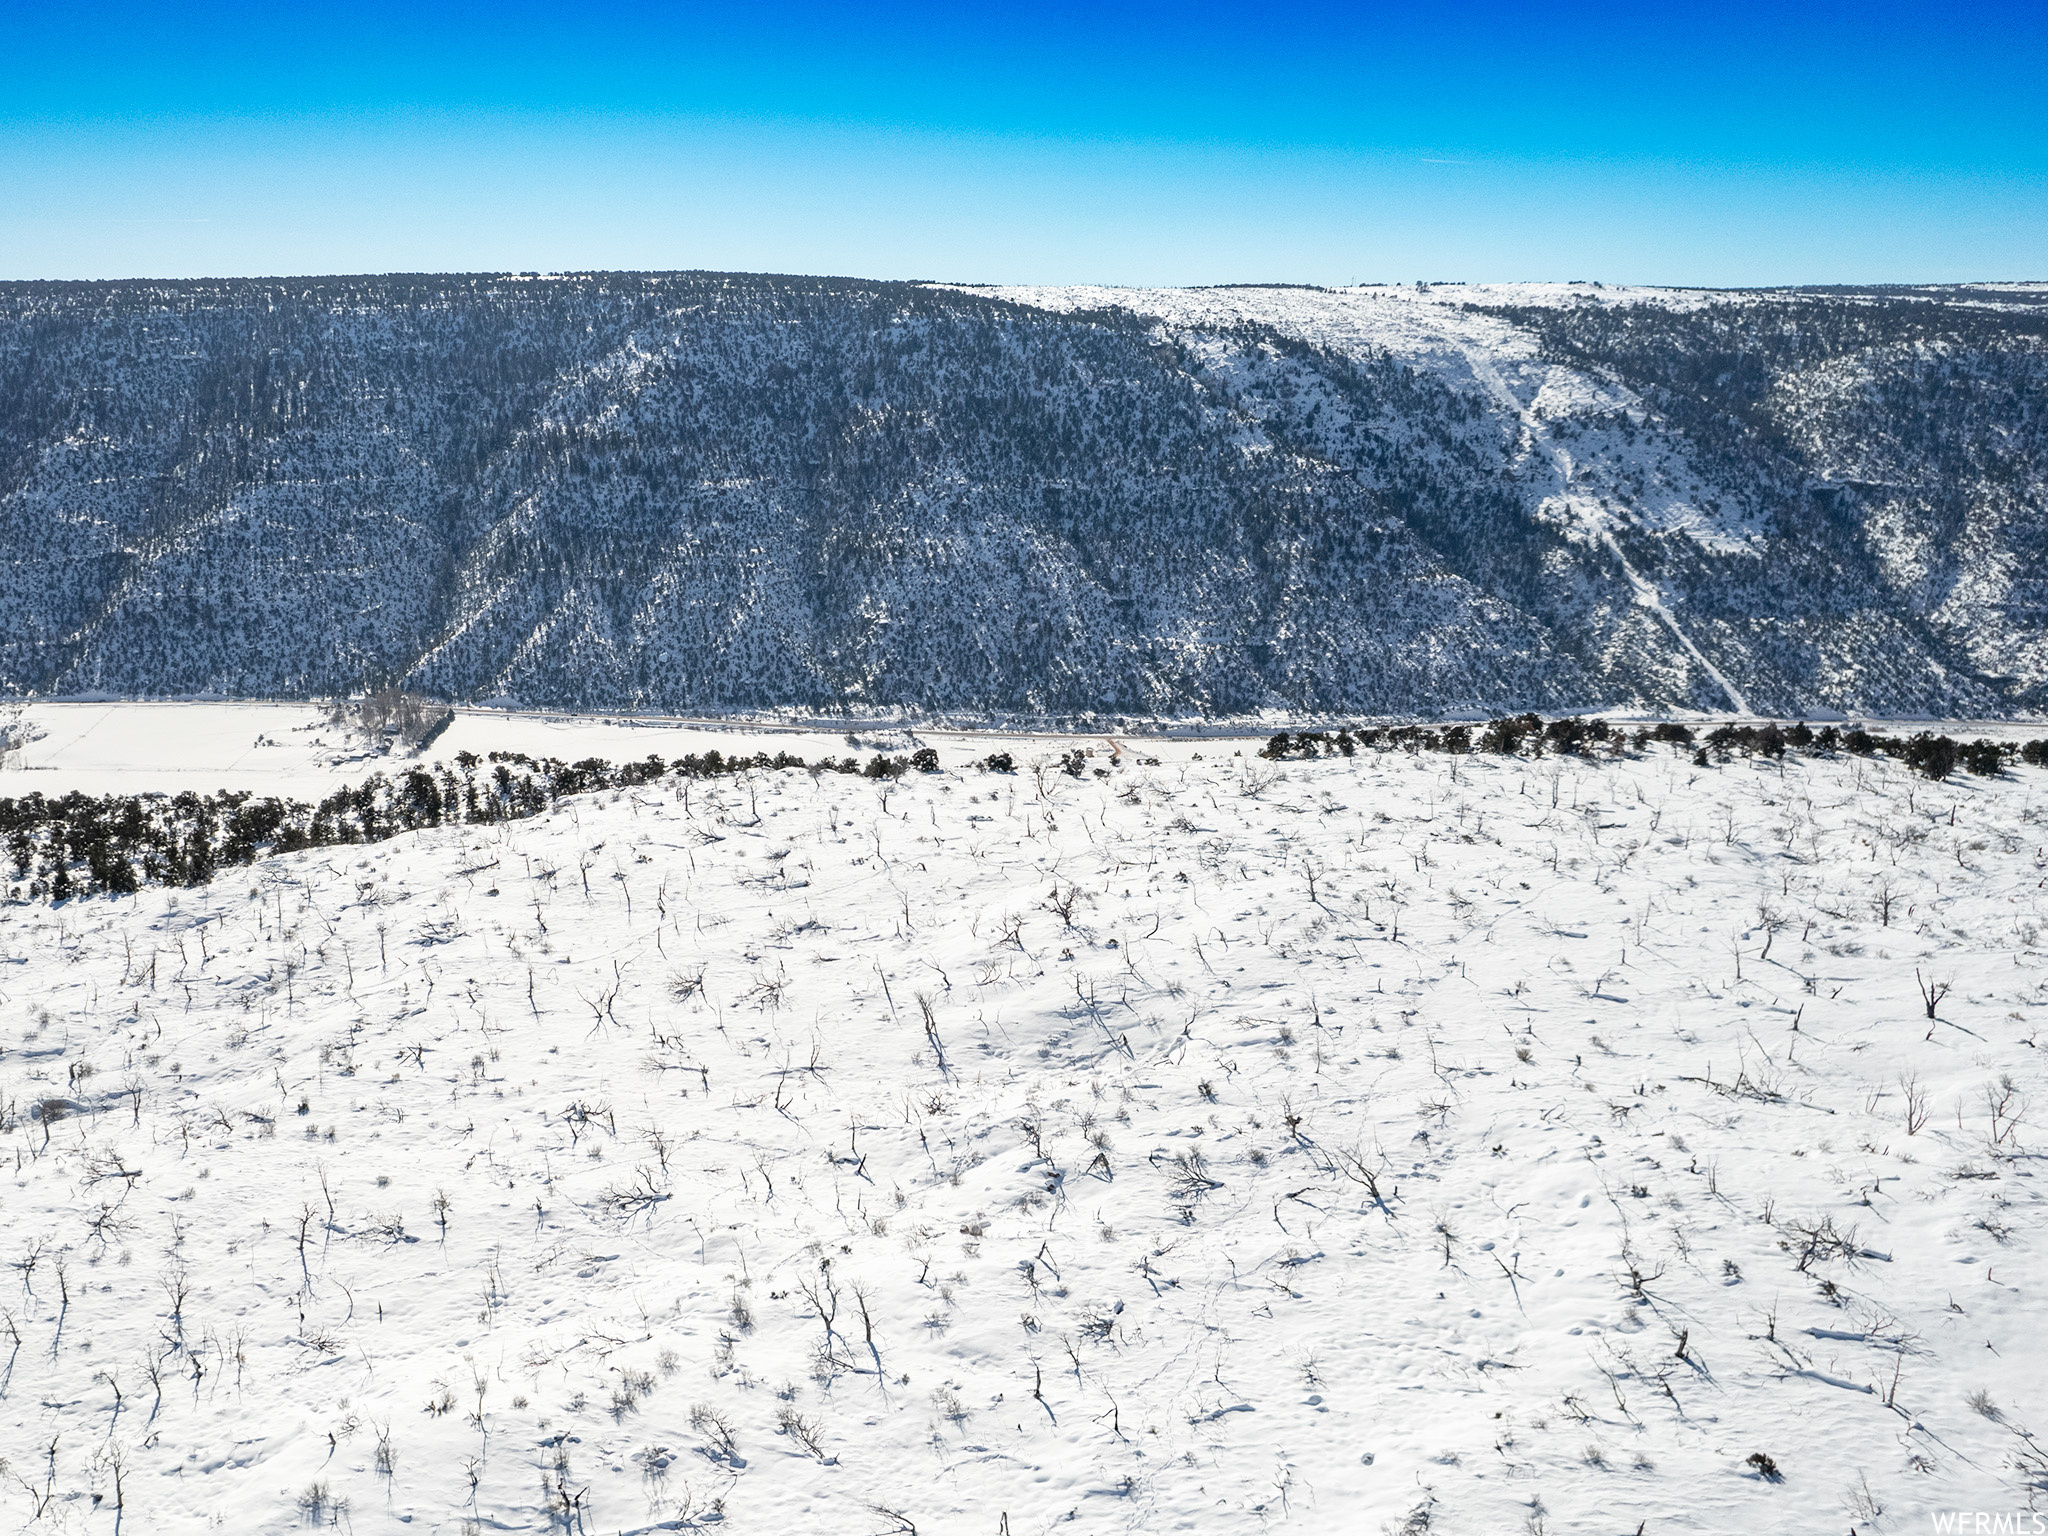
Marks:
<point>709,492</point>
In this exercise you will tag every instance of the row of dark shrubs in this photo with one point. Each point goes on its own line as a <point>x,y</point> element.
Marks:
<point>81,845</point>
<point>1935,756</point>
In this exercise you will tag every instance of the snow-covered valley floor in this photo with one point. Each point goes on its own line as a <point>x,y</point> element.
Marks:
<point>1411,1143</point>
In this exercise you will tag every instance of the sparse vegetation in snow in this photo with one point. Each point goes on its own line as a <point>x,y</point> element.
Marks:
<point>1376,1141</point>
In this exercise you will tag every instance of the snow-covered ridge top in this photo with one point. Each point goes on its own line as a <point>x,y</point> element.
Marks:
<point>1518,295</point>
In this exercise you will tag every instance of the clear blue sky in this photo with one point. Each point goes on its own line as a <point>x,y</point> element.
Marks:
<point>1197,142</point>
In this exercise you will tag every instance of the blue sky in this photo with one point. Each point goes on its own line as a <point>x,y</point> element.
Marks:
<point>1055,143</point>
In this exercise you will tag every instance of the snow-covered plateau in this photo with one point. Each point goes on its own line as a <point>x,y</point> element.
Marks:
<point>1190,1142</point>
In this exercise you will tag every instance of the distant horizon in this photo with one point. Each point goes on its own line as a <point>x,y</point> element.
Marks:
<point>542,275</point>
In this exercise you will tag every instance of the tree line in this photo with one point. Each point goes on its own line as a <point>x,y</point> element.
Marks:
<point>76,845</point>
<point>1926,753</point>
<point>87,845</point>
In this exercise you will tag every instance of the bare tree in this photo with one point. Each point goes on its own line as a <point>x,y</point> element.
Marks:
<point>1931,991</point>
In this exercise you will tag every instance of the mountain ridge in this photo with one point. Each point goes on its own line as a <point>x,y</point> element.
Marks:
<point>721,493</point>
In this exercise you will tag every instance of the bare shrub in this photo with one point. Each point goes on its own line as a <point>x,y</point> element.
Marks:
<point>716,1428</point>
<point>807,1433</point>
<point>319,1506</point>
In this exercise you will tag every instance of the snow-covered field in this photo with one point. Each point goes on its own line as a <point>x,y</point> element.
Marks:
<point>135,747</point>
<point>1411,1143</point>
<point>130,747</point>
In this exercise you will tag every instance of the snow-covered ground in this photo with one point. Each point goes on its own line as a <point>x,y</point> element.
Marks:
<point>296,749</point>
<point>1411,1143</point>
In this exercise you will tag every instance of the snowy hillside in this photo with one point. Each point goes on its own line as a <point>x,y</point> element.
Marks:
<point>1193,1142</point>
<point>717,493</point>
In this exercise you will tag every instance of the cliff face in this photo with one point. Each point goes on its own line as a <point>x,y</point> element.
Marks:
<point>709,492</point>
